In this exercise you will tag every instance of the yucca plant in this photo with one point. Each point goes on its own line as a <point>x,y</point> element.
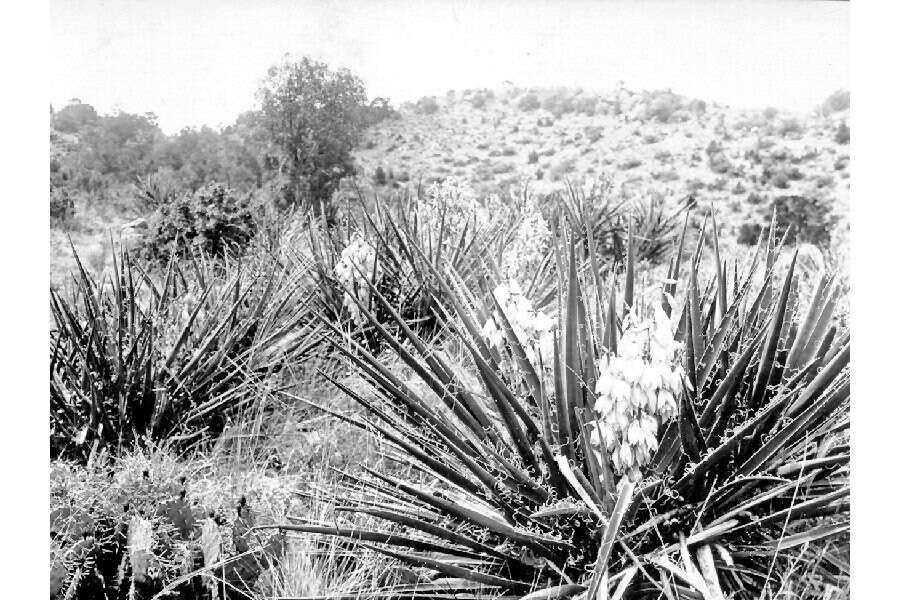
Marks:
<point>592,208</point>
<point>638,457</point>
<point>136,356</point>
<point>377,247</point>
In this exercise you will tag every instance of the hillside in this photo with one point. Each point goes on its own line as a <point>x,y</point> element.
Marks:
<point>648,142</point>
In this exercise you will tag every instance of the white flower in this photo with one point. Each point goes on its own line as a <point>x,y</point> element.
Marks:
<point>637,390</point>
<point>621,391</point>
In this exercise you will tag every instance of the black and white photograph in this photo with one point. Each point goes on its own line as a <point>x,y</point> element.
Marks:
<point>446,300</point>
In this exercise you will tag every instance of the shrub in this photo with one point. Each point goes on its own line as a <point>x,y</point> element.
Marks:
<point>718,160</point>
<point>662,106</point>
<point>808,218</point>
<point>533,157</point>
<point>214,220</point>
<point>558,105</point>
<point>631,162</point>
<point>749,234</point>
<point>62,206</point>
<point>529,102</point>
<point>842,135</point>
<point>586,105</point>
<point>839,101</point>
<point>379,110</point>
<point>380,176</point>
<point>559,441</point>
<point>427,105</point>
<point>789,127</point>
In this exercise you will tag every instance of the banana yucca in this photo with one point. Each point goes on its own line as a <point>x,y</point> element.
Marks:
<point>140,356</point>
<point>514,488</point>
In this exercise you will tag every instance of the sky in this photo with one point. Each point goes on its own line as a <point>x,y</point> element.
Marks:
<point>196,62</point>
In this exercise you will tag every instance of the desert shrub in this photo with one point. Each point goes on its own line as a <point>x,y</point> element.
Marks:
<point>478,100</point>
<point>214,220</point>
<point>601,446</point>
<point>778,180</point>
<point>427,105</point>
<point>559,104</point>
<point>662,106</point>
<point>533,157</point>
<point>62,206</point>
<point>789,127</point>
<point>718,160</point>
<point>529,102</point>
<point>137,359</point>
<point>593,133</point>
<point>630,162</point>
<point>380,176</point>
<point>697,107</point>
<point>842,135</point>
<point>379,110</point>
<point>586,105</point>
<point>749,233</point>
<point>839,101</point>
<point>755,198</point>
<point>805,219</point>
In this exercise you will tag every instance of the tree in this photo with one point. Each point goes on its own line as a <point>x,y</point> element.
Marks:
<point>74,117</point>
<point>314,117</point>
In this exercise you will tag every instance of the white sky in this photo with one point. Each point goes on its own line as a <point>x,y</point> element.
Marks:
<point>196,62</point>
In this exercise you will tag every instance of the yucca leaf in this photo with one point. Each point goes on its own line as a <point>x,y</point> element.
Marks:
<point>366,535</point>
<point>628,298</point>
<point>689,429</point>
<point>610,533</point>
<point>556,592</point>
<point>451,570</point>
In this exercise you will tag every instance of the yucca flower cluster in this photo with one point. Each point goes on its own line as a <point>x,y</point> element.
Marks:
<point>533,327</point>
<point>525,251</point>
<point>637,391</point>
<point>356,269</point>
<point>457,198</point>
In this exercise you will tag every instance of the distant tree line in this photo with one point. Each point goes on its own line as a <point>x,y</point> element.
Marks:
<point>296,143</point>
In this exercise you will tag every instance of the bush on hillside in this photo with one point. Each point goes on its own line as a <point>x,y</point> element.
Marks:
<point>529,102</point>
<point>380,176</point>
<point>809,219</point>
<point>62,206</point>
<point>214,220</point>
<point>842,135</point>
<point>839,101</point>
<point>427,105</point>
